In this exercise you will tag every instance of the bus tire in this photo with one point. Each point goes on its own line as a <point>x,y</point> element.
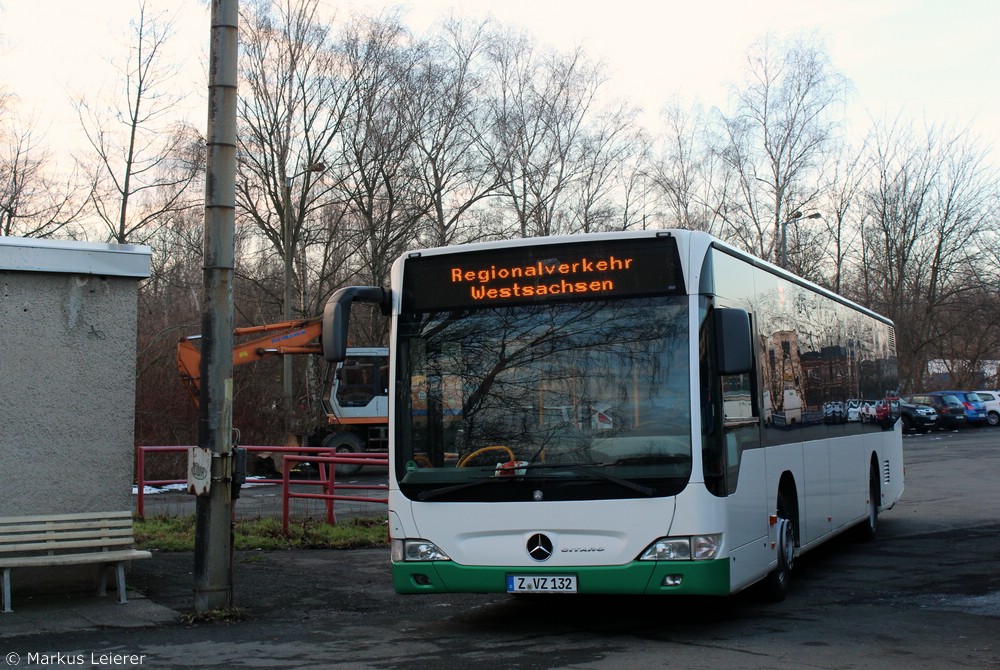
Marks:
<point>778,582</point>
<point>345,443</point>
<point>869,527</point>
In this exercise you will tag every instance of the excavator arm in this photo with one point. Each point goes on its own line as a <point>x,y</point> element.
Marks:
<point>279,339</point>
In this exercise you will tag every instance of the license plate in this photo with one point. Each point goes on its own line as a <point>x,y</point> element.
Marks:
<point>541,583</point>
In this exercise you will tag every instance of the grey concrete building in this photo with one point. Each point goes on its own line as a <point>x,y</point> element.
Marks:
<point>68,318</point>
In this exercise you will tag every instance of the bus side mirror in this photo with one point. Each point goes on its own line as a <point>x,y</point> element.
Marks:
<point>733,342</point>
<point>337,317</point>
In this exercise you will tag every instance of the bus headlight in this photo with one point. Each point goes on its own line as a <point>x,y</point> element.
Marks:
<point>416,550</point>
<point>697,547</point>
<point>668,549</point>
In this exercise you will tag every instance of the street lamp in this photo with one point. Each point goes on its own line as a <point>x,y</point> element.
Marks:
<point>286,370</point>
<point>795,216</point>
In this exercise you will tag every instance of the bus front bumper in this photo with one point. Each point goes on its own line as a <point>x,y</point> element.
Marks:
<point>709,578</point>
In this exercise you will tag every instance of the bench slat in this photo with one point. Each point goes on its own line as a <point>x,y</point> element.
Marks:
<point>70,544</point>
<point>74,559</point>
<point>56,538</point>
<point>78,516</point>
<point>7,529</point>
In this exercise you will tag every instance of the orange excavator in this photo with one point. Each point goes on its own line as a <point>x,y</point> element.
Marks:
<point>355,396</point>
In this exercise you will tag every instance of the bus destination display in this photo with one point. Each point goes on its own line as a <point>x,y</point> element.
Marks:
<point>587,270</point>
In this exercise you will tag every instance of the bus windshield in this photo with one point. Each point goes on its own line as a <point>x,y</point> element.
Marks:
<point>566,400</point>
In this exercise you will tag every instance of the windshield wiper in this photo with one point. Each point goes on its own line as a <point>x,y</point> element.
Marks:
<point>589,470</point>
<point>582,469</point>
<point>434,493</point>
<point>657,459</point>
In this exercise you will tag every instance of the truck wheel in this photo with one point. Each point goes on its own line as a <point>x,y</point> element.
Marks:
<point>345,443</point>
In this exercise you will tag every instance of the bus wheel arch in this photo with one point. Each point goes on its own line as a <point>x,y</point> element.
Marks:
<point>777,584</point>
<point>869,527</point>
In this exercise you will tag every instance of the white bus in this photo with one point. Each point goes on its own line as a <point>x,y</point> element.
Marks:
<point>586,414</point>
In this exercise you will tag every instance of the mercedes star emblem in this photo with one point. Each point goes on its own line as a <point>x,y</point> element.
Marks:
<point>539,547</point>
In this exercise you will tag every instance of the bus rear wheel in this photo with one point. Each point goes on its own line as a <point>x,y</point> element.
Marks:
<point>778,582</point>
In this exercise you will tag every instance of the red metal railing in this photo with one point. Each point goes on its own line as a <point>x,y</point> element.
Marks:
<point>328,480</point>
<point>320,455</point>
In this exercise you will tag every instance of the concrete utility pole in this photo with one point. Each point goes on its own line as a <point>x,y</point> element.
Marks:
<point>213,551</point>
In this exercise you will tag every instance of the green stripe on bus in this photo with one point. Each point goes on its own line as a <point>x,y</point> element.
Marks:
<point>696,577</point>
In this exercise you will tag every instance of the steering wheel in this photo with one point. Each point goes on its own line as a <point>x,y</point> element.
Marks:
<point>493,447</point>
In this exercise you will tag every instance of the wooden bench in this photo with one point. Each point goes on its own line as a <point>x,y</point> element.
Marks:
<point>45,540</point>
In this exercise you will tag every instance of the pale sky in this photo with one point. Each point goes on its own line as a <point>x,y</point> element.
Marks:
<point>926,59</point>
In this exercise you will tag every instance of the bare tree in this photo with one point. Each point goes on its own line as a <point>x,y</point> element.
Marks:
<point>928,211</point>
<point>693,191</point>
<point>540,103</point>
<point>841,182</point>
<point>382,190</point>
<point>969,352</point>
<point>776,137</point>
<point>32,202</point>
<point>446,112</point>
<point>140,168</point>
<point>613,152</point>
<point>293,101</point>
<point>637,202</point>
<point>292,106</point>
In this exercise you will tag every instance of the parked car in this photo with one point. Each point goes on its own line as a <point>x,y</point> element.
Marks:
<point>975,410</point>
<point>991,399</point>
<point>920,418</point>
<point>884,412</point>
<point>834,412</point>
<point>887,413</point>
<point>950,410</point>
<point>867,412</point>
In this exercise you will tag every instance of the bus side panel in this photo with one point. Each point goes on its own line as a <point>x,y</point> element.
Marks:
<point>747,526</point>
<point>815,516</point>
<point>849,461</point>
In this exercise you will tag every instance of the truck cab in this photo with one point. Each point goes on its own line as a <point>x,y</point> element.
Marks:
<point>359,387</point>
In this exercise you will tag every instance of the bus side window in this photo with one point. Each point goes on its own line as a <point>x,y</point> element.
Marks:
<point>741,421</point>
